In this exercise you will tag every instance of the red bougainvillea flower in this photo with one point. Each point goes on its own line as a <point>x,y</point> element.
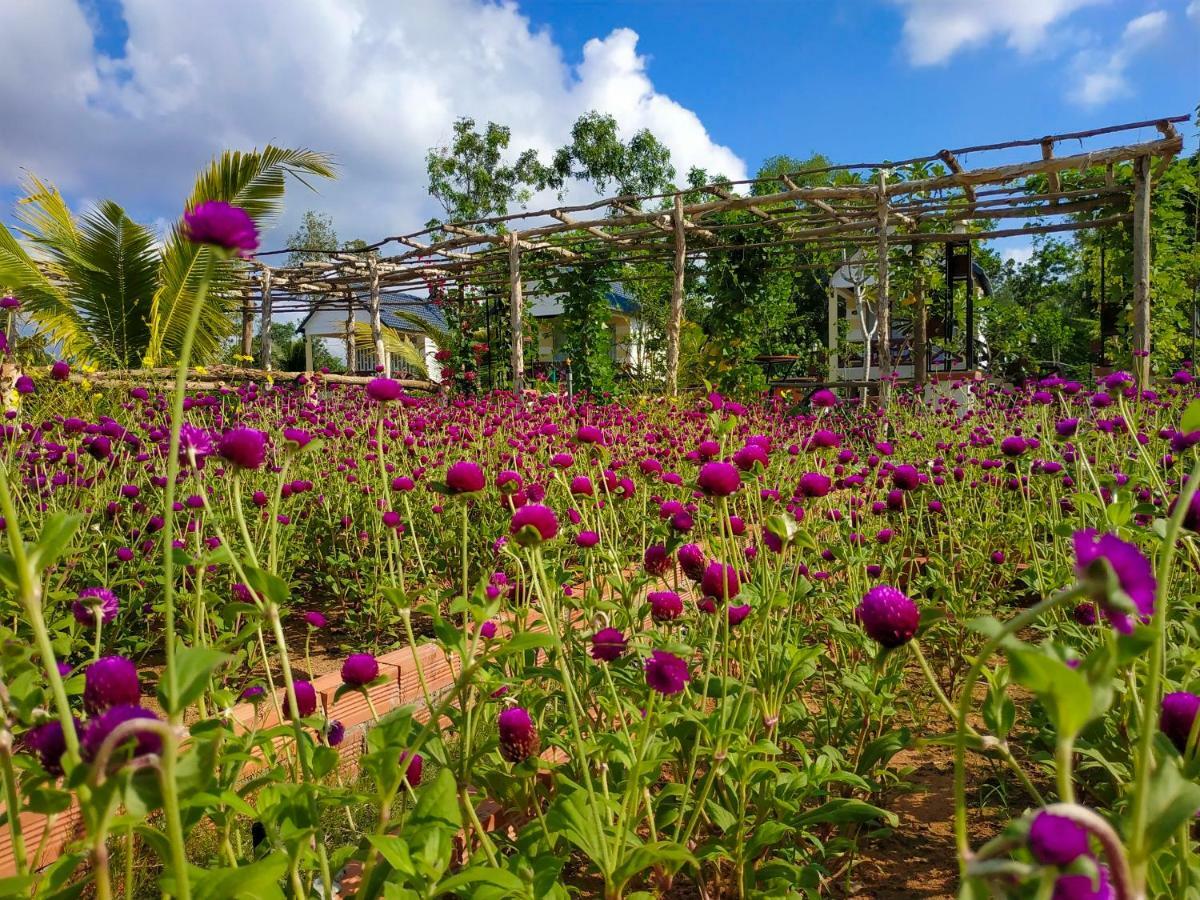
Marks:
<point>221,225</point>
<point>666,673</point>
<point>888,616</point>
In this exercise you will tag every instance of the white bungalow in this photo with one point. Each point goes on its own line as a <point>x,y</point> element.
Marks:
<point>629,352</point>
<point>328,320</point>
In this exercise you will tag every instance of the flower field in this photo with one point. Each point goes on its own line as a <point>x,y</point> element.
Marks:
<point>686,638</point>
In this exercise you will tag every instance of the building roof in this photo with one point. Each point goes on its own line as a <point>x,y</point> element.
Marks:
<point>393,303</point>
<point>549,306</point>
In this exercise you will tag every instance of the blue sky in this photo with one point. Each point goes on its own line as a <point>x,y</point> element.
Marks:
<point>128,98</point>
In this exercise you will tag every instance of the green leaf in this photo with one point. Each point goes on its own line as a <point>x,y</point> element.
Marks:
<point>268,585</point>
<point>194,667</point>
<point>55,538</point>
<point>393,849</point>
<point>257,880</point>
<point>843,811</point>
<point>1173,800</point>
<point>1063,691</point>
<point>475,875</point>
<point>437,804</point>
<point>1191,418</point>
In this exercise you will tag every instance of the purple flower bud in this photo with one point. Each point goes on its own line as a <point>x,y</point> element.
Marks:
<point>412,771</point>
<point>1056,840</point>
<point>465,478</point>
<point>360,669</point>
<point>587,539</point>
<point>1178,716</point>
<point>718,479</point>
<point>888,616</point>
<point>692,561</point>
<point>335,733</point>
<point>384,390</point>
<point>99,728</point>
<point>315,619</point>
<point>245,448</point>
<point>49,744</point>
<point>720,581</point>
<point>306,698</point>
<point>110,681</point>
<point>222,225</point>
<point>608,644</point>
<point>519,738</point>
<point>665,606</point>
<point>93,601</point>
<point>666,673</point>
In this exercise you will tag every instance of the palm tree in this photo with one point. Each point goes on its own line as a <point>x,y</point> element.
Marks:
<point>101,287</point>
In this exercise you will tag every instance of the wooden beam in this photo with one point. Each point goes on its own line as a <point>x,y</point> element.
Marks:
<point>675,316</point>
<point>955,166</point>
<point>754,210</point>
<point>516,310</point>
<point>1141,270</point>
<point>1051,177</point>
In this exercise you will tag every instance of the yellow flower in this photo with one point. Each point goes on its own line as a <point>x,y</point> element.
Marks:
<point>201,370</point>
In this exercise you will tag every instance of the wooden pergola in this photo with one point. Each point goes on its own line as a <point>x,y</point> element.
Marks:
<point>878,210</point>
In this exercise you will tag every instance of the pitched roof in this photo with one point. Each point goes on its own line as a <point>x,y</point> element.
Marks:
<point>549,306</point>
<point>418,306</point>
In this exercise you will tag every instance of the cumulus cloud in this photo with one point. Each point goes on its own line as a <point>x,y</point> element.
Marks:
<point>1101,74</point>
<point>1193,10</point>
<point>370,81</point>
<point>935,30</point>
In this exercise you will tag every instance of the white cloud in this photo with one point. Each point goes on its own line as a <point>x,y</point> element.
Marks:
<point>934,30</point>
<point>373,82</point>
<point>1101,74</point>
<point>1193,10</point>
<point>1018,253</point>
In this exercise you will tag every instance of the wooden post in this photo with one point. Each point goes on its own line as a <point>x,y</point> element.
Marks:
<point>247,328</point>
<point>1141,270</point>
<point>349,333</point>
<point>675,316</point>
<point>883,308</point>
<point>516,309</point>
<point>920,329</point>
<point>308,354</point>
<point>381,355</point>
<point>831,333</point>
<point>265,337</point>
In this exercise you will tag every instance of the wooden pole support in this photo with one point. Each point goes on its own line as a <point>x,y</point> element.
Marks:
<point>883,309</point>
<point>381,355</point>
<point>1141,270</point>
<point>675,316</point>
<point>247,328</point>
<point>348,333</point>
<point>265,339</point>
<point>516,311</point>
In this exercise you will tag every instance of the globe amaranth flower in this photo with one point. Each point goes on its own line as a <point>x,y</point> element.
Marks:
<point>384,390</point>
<point>99,728</point>
<point>888,616</point>
<point>906,477</point>
<point>666,673</point>
<point>720,581</point>
<point>589,434</point>
<point>608,644</point>
<point>360,669</point>
<point>335,733</point>
<point>306,698</point>
<point>718,479</point>
<point>60,371</point>
<point>465,478</point>
<point>587,539</point>
<point>245,448</point>
<point>533,524</point>
<point>665,606</point>
<point>95,603</point>
<point>1135,583</point>
<point>692,561</point>
<point>738,614</point>
<point>49,743</point>
<point>519,738</point>
<point>296,438</point>
<point>814,484</point>
<point>824,399</point>
<point>1014,445</point>
<point>412,771</point>
<point>656,560</point>
<point>1178,716</point>
<point>221,225</point>
<point>1082,886</point>
<point>1056,840</point>
<point>315,619</point>
<point>487,630</point>
<point>110,681</point>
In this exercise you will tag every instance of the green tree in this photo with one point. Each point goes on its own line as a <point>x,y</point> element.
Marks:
<point>100,286</point>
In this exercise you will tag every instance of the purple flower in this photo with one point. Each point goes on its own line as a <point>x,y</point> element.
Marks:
<point>487,630</point>
<point>1178,716</point>
<point>906,477</point>
<point>692,561</point>
<point>814,484</point>
<point>194,443</point>
<point>222,225</point>
<point>608,644</point>
<point>720,581</point>
<point>296,438</point>
<point>824,399</point>
<point>49,744</point>
<point>8,303</point>
<point>1081,886</point>
<point>666,673</point>
<point>888,616</point>
<point>315,619</point>
<point>245,448</point>
<point>110,681</point>
<point>24,385</point>
<point>412,771</point>
<point>360,669</point>
<point>306,698</point>
<point>518,735</point>
<point>738,614</point>
<point>1134,576</point>
<point>465,478</point>
<point>656,560</point>
<point>1013,445</point>
<point>60,371</point>
<point>104,724</point>
<point>587,539</point>
<point>384,390</point>
<point>335,733</point>
<point>1066,428</point>
<point>718,479</point>
<point>665,606</point>
<point>93,601</point>
<point>253,694</point>
<point>1056,840</point>
<point>533,524</point>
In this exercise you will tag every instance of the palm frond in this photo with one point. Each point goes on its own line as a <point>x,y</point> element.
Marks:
<point>439,336</point>
<point>394,342</point>
<point>255,181</point>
